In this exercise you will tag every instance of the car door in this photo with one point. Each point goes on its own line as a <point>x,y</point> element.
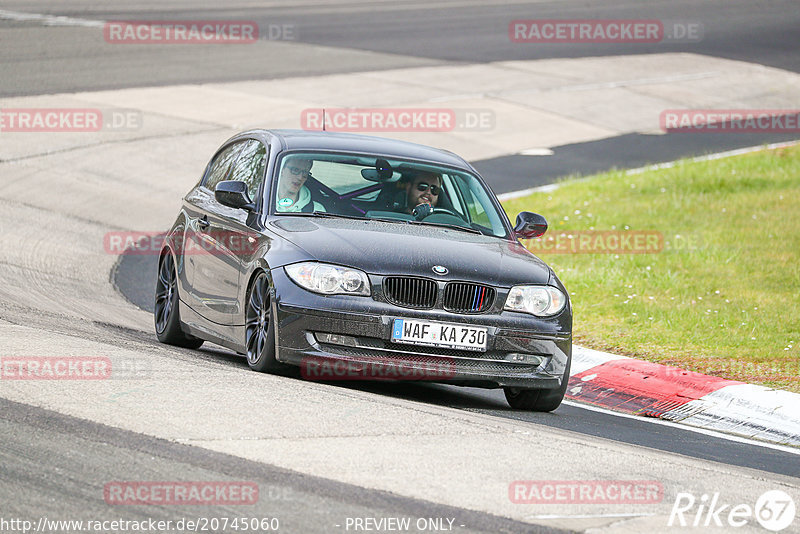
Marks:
<point>207,293</point>
<point>222,235</point>
<point>242,238</point>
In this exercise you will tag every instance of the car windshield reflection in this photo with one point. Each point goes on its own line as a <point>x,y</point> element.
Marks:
<point>374,188</point>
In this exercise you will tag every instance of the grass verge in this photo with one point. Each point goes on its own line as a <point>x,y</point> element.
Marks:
<point>715,284</point>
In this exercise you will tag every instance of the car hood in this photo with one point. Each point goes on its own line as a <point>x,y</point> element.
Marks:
<point>384,248</point>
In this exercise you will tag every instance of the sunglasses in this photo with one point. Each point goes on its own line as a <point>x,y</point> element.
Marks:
<point>298,171</point>
<point>435,189</point>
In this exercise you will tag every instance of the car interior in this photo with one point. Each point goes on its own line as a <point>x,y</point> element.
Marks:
<point>374,189</point>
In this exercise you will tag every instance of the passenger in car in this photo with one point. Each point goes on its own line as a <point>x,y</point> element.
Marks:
<point>293,195</point>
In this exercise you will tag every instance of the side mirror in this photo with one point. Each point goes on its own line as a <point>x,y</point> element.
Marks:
<point>233,193</point>
<point>530,225</point>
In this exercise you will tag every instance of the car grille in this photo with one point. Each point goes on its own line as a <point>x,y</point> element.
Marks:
<point>438,351</point>
<point>461,297</point>
<point>459,365</point>
<point>384,346</point>
<point>410,292</point>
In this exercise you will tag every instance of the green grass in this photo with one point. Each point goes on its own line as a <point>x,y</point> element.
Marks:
<point>722,297</point>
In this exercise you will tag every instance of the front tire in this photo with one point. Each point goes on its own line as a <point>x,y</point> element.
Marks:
<point>538,400</point>
<point>260,329</point>
<point>165,312</point>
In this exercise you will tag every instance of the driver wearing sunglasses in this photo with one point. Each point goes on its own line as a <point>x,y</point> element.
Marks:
<point>423,188</point>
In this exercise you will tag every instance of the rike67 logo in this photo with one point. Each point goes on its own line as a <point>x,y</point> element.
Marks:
<point>774,510</point>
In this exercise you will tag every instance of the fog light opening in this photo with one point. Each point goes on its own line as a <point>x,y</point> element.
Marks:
<point>529,359</point>
<point>335,339</point>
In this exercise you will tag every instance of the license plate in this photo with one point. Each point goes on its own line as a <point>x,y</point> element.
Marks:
<point>453,336</point>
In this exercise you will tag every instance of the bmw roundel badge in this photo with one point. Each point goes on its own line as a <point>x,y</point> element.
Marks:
<point>439,269</point>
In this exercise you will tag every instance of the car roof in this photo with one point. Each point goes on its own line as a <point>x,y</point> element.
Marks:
<point>367,144</point>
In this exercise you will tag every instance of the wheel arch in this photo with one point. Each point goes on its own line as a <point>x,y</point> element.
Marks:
<point>259,266</point>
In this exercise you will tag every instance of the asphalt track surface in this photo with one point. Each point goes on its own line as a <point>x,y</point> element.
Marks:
<point>391,34</point>
<point>507,174</point>
<point>136,274</point>
<point>58,458</point>
<point>46,452</point>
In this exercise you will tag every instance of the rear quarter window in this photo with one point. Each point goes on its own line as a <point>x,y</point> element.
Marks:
<point>221,166</point>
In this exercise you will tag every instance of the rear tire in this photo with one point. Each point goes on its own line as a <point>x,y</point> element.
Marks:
<point>538,400</point>
<point>166,314</point>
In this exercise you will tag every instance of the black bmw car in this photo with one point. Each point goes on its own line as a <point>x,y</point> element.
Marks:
<point>357,257</point>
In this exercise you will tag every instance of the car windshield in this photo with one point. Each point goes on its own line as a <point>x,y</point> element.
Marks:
<point>369,187</point>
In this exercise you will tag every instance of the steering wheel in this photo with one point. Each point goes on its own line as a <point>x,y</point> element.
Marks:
<point>423,211</point>
<point>434,211</point>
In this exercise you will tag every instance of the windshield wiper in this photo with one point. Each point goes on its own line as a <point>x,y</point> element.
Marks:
<point>382,219</point>
<point>342,216</point>
<point>390,219</point>
<point>325,214</point>
<point>446,225</point>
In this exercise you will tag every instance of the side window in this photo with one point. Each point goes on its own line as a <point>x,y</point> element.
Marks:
<point>477,213</point>
<point>221,166</point>
<point>479,206</point>
<point>250,166</point>
<point>475,208</point>
<point>452,186</point>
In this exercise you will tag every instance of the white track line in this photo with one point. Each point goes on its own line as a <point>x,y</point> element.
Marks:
<point>49,20</point>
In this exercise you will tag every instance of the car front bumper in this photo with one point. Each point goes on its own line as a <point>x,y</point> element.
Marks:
<point>348,338</point>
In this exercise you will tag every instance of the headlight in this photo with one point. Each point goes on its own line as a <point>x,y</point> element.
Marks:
<point>536,300</point>
<point>329,279</point>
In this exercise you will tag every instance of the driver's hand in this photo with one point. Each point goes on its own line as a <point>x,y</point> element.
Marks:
<point>421,211</point>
